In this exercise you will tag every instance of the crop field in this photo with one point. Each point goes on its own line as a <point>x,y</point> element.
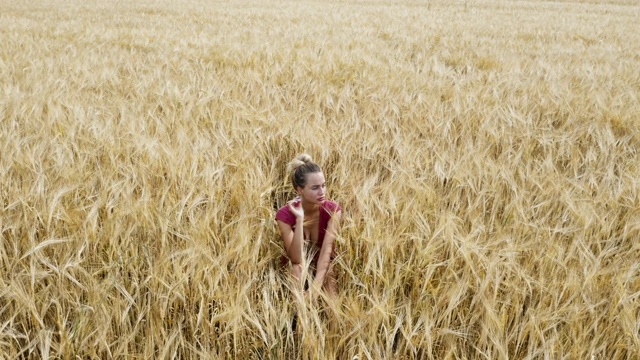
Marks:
<point>486,154</point>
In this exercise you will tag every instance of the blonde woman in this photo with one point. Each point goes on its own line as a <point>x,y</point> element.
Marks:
<point>309,224</point>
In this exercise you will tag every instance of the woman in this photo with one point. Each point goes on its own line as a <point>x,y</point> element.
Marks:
<point>310,219</point>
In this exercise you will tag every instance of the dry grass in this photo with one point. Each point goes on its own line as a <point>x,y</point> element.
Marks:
<point>486,154</point>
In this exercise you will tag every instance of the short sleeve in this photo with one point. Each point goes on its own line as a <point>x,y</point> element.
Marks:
<point>285,215</point>
<point>332,207</point>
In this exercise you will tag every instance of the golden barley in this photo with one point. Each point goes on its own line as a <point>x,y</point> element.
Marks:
<point>485,153</point>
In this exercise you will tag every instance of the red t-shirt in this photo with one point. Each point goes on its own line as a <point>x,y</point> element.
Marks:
<point>327,209</point>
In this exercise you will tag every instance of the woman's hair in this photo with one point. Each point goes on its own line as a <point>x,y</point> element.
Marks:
<point>298,169</point>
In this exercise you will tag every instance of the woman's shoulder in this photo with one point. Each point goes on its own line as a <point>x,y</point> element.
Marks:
<point>285,215</point>
<point>331,206</point>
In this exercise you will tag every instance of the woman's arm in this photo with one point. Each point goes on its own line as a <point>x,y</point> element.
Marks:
<point>293,239</point>
<point>327,246</point>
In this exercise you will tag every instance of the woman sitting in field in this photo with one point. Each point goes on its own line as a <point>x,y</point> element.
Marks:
<point>310,219</point>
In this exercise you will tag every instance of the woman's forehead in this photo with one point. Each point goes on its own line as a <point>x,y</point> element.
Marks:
<point>316,178</point>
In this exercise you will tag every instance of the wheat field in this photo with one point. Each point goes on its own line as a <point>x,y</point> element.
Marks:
<point>486,155</point>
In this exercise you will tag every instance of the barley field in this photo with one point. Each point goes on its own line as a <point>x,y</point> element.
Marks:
<point>486,154</point>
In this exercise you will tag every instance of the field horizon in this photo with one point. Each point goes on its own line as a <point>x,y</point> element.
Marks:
<point>486,155</point>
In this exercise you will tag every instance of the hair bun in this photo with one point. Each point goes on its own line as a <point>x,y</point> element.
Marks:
<point>305,158</point>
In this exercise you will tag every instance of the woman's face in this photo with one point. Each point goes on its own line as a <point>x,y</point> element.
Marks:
<point>314,190</point>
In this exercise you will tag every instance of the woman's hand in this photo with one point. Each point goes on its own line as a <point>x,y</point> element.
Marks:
<point>295,206</point>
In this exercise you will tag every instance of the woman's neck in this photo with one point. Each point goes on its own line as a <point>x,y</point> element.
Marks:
<point>310,209</point>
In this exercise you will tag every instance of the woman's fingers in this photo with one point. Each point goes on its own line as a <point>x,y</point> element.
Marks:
<point>295,206</point>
